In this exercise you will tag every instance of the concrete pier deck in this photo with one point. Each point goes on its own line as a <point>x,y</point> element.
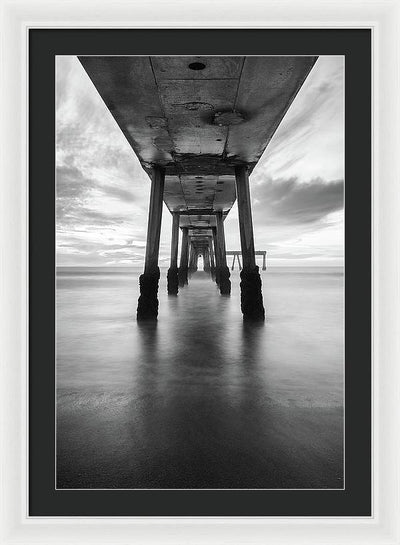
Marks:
<point>198,117</point>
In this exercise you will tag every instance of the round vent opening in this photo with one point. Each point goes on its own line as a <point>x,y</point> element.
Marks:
<point>197,66</point>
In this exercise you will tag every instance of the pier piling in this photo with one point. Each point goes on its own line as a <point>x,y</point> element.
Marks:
<point>172,275</point>
<point>223,270</point>
<point>251,296</point>
<point>184,262</point>
<point>148,281</point>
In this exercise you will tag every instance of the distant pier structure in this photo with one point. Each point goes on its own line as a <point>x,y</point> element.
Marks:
<point>198,126</point>
<point>237,255</point>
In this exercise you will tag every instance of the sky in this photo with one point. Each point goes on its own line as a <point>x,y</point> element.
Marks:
<point>297,188</point>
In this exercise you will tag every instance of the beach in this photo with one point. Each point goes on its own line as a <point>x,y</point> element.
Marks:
<point>200,399</point>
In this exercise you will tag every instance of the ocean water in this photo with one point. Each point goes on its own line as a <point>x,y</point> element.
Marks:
<point>200,399</point>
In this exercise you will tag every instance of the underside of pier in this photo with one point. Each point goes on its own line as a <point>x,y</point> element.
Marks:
<point>199,125</point>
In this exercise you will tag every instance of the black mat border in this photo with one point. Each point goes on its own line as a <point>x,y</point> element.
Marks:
<point>44,500</point>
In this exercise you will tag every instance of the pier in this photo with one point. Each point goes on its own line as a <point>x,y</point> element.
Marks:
<point>198,126</point>
<point>237,256</point>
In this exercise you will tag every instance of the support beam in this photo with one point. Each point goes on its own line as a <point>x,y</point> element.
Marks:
<point>264,266</point>
<point>250,285</point>
<point>148,281</point>
<point>183,265</point>
<point>206,258</point>
<point>216,254</point>
<point>195,258</point>
<point>212,259</point>
<point>172,275</point>
<point>198,212</point>
<point>223,272</point>
<point>192,258</point>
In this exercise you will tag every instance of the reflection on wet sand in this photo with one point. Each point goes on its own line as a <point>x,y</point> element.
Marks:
<point>200,399</point>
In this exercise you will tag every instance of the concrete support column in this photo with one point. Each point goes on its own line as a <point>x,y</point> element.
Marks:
<point>216,254</point>
<point>183,265</point>
<point>172,275</point>
<point>264,266</point>
<point>192,258</point>
<point>223,270</point>
<point>148,281</point>
<point>250,285</point>
<point>206,256</point>
<point>212,259</point>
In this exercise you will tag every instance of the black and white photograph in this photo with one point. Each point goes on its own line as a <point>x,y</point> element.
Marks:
<point>200,272</point>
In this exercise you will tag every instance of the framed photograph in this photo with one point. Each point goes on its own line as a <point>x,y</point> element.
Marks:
<point>200,235</point>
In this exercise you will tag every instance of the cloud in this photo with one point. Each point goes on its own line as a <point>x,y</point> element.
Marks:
<point>71,184</point>
<point>309,142</point>
<point>76,195</point>
<point>118,192</point>
<point>287,201</point>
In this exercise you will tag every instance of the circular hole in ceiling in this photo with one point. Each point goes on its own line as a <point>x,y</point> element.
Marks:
<point>197,66</point>
<point>219,140</point>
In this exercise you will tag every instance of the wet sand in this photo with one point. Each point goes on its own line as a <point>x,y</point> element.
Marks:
<point>201,399</point>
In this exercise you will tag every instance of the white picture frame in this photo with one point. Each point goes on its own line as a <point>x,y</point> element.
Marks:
<point>383,18</point>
